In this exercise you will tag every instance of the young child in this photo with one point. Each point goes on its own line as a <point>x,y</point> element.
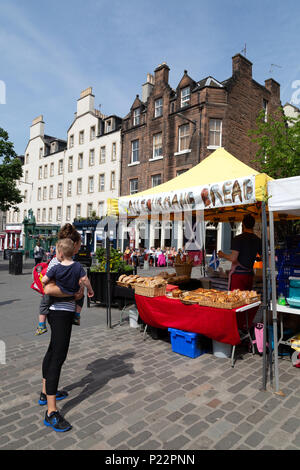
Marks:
<point>69,276</point>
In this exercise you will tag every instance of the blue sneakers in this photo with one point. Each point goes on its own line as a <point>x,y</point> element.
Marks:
<point>57,422</point>
<point>60,395</point>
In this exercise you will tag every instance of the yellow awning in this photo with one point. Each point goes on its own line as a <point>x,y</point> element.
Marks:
<point>219,167</point>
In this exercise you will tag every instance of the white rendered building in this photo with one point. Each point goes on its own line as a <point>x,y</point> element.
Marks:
<point>64,180</point>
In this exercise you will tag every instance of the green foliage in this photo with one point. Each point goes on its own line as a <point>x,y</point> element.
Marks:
<point>10,172</point>
<point>116,261</point>
<point>278,141</point>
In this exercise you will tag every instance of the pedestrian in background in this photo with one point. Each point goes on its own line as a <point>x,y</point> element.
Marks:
<point>38,253</point>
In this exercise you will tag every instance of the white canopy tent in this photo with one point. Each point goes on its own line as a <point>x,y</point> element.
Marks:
<point>283,200</point>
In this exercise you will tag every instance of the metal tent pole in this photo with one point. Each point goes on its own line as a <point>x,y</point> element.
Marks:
<point>264,304</point>
<point>108,303</point>
<point>274,302</point>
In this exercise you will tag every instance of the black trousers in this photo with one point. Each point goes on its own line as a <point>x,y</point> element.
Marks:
<point>60,322</point>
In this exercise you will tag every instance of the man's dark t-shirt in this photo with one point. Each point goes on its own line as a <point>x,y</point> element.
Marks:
<point>248,245</point>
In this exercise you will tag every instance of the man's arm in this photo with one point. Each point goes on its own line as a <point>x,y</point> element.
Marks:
<point>233,256</point>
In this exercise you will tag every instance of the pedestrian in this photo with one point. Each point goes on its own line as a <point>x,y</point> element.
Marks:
<point>244,249</point>
<point>60,317</point>
<point>127,255</point>
<point>38,253</point>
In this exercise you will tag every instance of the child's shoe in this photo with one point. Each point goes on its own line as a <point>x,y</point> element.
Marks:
<point>76,319</point>
<point>41,329</point>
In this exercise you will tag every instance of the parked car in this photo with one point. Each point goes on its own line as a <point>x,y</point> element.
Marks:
<point>84,256</point>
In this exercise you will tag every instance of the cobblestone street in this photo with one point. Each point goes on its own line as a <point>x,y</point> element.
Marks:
<point>127,393</point>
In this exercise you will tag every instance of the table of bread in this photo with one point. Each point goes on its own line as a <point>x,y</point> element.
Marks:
<point>156,285</point>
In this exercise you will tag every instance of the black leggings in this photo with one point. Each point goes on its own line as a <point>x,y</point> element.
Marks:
<point>60,322</point>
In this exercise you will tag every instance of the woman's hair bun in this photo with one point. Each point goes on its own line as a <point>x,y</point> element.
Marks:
<point>69,231</point>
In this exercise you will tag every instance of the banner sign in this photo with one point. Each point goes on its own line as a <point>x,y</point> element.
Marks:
<point>233,192</point>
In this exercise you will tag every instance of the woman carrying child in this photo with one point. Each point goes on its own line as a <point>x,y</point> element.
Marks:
<point>60,316</point>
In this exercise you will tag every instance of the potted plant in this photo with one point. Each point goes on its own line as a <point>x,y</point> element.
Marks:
<point>98,275</point>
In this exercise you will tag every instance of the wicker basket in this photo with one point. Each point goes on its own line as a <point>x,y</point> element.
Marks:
<point>183,269</point>
<point>227,306</point>
<point>150,291</point>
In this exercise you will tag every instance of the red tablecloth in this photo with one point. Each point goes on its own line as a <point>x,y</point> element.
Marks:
<point>215,323</point>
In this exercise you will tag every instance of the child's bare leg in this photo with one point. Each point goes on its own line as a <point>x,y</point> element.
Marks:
<point>77,313</point>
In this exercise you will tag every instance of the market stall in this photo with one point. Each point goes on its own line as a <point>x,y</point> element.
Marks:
<point>283,203</point>
<point>221,188</point>
<point>219,324</point>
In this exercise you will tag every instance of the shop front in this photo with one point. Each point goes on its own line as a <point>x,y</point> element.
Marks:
<point>45,233</point>
<point>13,237</point>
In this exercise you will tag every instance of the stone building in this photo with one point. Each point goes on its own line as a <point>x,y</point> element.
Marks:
<point>70,179</point>
<point>168,131</point>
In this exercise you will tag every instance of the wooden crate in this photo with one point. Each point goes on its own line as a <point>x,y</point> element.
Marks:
<point>149,291</point>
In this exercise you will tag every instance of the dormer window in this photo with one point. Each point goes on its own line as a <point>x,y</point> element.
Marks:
<point>136,117</point>
<point>108,125</point>
<point>185,96</point>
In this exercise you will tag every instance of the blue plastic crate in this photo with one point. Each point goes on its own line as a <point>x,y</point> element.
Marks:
<point>283,350</point>
<point>188,344</point>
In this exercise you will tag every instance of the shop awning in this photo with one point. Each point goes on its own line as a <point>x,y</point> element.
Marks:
<point>221,184</point>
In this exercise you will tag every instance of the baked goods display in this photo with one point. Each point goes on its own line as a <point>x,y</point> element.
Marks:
<point>135,279</point>
<point>220,299</point>
<point>161,279</point>
<point>176,293</point>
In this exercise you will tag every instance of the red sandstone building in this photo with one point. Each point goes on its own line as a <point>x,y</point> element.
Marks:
<point>168,131</point>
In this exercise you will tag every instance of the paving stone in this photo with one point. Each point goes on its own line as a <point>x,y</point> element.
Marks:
<point>254,439</point>
<point>228,442</point>
<point>215,416</point>
<point>234,417</point>
<point>178,442</point>
<point>244,428</point>
<point>256,417</point>
<point>174,416</point>
<point>197,429</point>
<point>138,439</point>
<point>119,438</point>
<point>170,431</point>
<point>291,425</point>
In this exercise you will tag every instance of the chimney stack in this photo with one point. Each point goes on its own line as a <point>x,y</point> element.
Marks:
<point>86,102</point>
<point>241,66</point>
<point>273,87</point>
<point>147,87</point>
<point>162,73</point>
<point>37,129</point>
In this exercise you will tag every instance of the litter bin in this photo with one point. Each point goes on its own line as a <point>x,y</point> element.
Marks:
<point>16,262</point>
<point>6,254</point>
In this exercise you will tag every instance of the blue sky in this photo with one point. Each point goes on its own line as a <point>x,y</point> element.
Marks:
<point>51,50</point>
